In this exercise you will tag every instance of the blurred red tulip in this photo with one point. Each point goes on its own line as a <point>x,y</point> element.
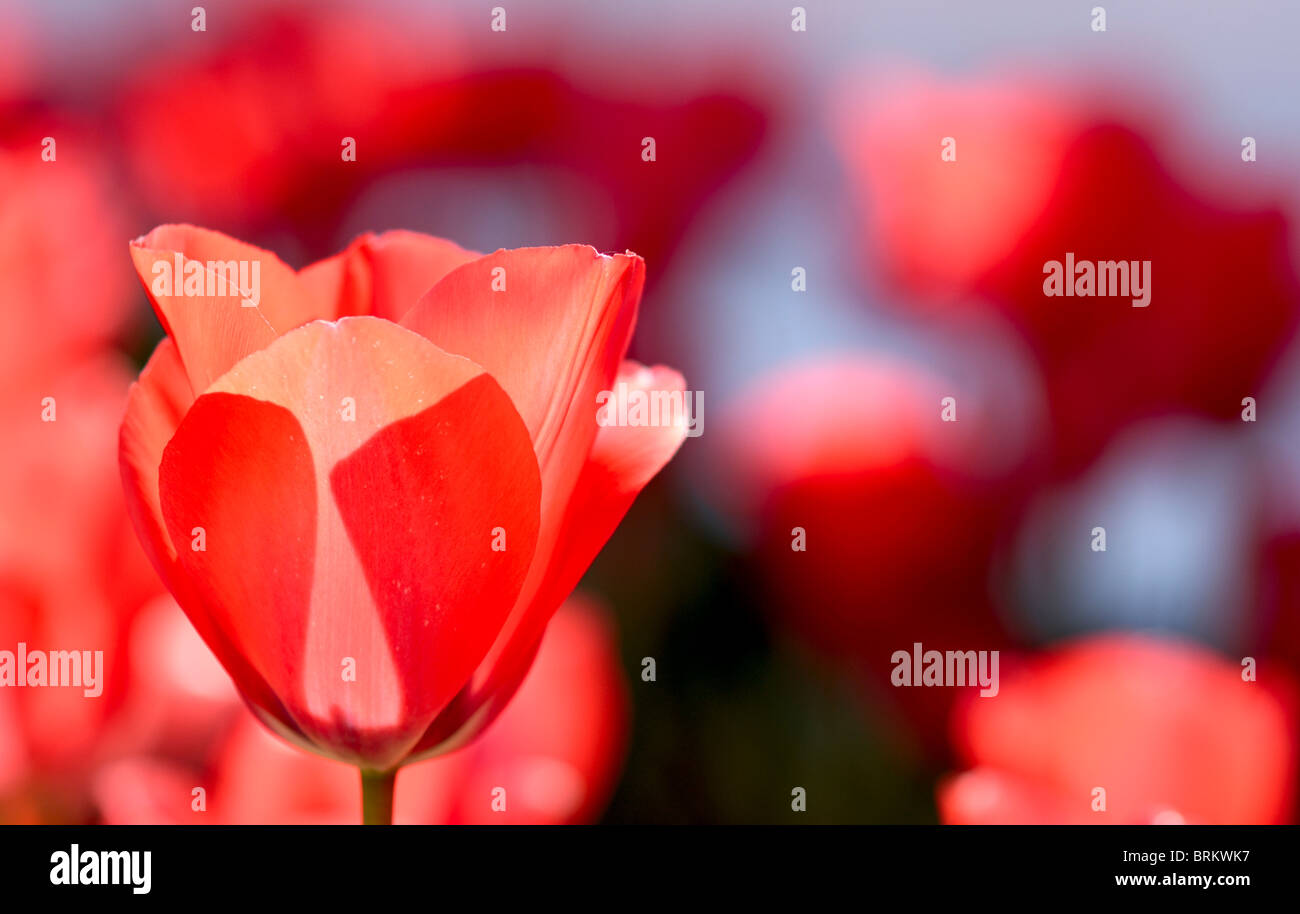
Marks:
<point>1040,173</point>
<point>555,752</point>
<point>702,136</point>
<point>61,301</point>
<point>938,226</point>
<point>166,697</point>
<point>267,114</point>
<point>370,522</point>
<point>180,701</point>
<point>71,574</point>
<point>1171,733</point>
<point>900,513</point>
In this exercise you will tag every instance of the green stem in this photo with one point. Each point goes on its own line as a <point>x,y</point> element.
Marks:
<point>377,796</point>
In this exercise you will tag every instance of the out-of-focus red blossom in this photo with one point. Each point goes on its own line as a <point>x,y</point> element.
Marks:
<point>418,495</point>
<point>60,539</point>
<point>937,226</point>
<point>266,110</point>
<point>556,751</point>
<point>71,574</point>
<point>901,513</point>
<point>700,140</point>
<point>180,701</point>
<point>64,289</point>
<point>266,114</point>
<point>1170,731</point>
<point>1042,171</point>
<point>165,695</point>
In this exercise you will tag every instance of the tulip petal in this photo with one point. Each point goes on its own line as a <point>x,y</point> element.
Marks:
<point>623,459</point>
<point>551,325</point>
<point>382,275</point>
<point>494,310</point>
<point>238,497</point>
<point>404,459</point>
<point>422,501</point>
<point>156,404</point>
<point>223,321</point>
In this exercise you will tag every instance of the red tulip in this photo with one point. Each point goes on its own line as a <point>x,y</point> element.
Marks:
<point>370,521</point>
<point>554,753</point>
<point>1170,732</point>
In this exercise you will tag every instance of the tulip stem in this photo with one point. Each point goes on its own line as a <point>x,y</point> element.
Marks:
<point>377,796</point>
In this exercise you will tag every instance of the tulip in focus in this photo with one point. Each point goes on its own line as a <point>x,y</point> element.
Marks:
<point>371,482</point>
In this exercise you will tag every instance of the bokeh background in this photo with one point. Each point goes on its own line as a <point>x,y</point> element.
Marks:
<point>825,278</point>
